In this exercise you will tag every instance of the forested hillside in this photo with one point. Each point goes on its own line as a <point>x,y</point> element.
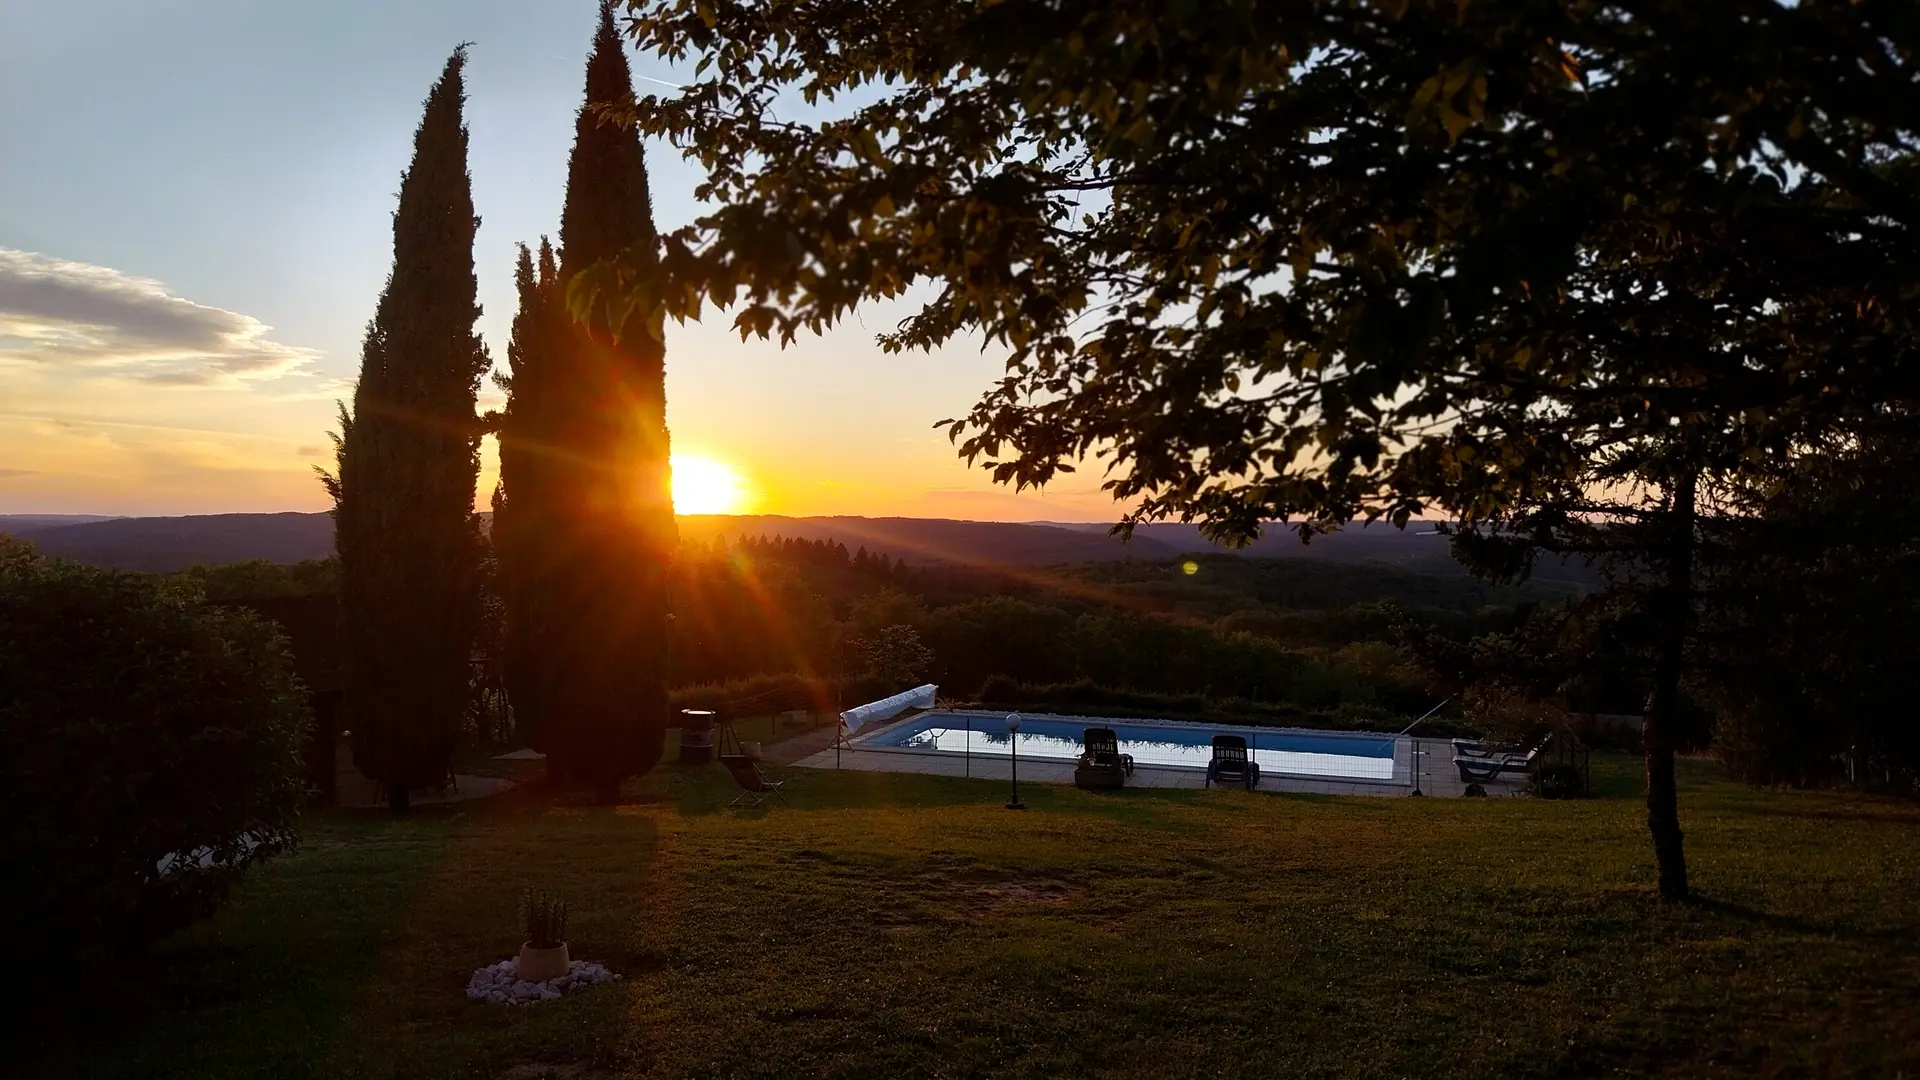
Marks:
<point>1299,640</point>
<point>163,545</point>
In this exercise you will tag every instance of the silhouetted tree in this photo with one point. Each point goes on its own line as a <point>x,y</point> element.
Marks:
<point>587,496</point>
<point>1811,618</point>
<point>1742,318</point>
<point>407,458</point>
<point>1310,263</point>
<point>528,503</point>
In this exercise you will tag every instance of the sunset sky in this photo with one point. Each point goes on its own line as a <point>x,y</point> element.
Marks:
<point>195,201</point>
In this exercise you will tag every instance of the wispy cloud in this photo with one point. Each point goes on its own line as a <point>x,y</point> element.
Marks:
<point>77,315</point>
<point>8,474</point>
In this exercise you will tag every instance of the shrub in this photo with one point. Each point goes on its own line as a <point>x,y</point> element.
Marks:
<point>257,578</point>
<point>149,753</point>
<point>1087,698</point>
<point>779,693</point>
<point>1085,695</point>
<point>1510,715</point>
<point>1559,781</point>
<point>309,623</point>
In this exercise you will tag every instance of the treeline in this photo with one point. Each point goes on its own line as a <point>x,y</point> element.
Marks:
<point>1320,643</point>
<point>1799,676</point>
<point>1319,639</point>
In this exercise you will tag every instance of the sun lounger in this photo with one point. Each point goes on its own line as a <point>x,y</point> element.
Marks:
<point>1100,746</point>
<point>1232,763</point>
<point>1478,763</point>
<point>1101,763</point>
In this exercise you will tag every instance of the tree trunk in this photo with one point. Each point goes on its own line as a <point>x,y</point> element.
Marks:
<point>397,798</point>
<point>1663,706</point>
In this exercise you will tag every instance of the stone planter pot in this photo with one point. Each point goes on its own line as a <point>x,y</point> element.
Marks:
<point>539,965</point>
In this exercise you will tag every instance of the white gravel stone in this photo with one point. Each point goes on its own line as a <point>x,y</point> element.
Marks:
<point>501,984</point>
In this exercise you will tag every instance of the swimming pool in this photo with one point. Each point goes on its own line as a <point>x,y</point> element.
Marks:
<point>1355,755</point>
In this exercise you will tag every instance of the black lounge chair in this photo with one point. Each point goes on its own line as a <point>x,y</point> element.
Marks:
<point>1231,762</point>
<point>754,787</point>
<point>1101,747</point>
<point>1478,764</point>
<point>1101,763</point>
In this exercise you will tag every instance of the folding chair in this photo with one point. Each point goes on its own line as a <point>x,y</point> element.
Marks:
<point>754,787</point>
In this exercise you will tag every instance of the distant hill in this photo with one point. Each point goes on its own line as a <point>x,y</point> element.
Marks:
<point>940,540</point>
<point>22,524</point>
<point>1417,548</point>
<point>167,544</point>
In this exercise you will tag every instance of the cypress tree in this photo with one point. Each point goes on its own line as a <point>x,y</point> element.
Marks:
<point>586,488</point>
<point>407,459</point>
<point>527,542</point>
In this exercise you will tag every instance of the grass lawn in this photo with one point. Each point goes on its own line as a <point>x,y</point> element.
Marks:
<point>891,926</point>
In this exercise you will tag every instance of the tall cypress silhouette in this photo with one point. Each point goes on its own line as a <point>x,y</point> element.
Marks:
<point>585,529</point>
<point>533,547</point>
<point>406,461</point>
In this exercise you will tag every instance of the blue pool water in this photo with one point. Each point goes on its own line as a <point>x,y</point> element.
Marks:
<point>1344,754</point>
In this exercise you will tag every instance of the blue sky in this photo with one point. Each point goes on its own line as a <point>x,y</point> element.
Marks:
<point>180,175</point>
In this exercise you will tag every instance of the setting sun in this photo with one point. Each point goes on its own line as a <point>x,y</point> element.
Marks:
<point>702,485</point>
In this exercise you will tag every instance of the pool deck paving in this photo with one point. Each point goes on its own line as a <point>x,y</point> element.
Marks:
<point>1438,777</point>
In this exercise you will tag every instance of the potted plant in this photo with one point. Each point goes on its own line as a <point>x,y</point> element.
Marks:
<point>544,955</point>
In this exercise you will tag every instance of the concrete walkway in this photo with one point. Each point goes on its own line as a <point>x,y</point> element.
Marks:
<point>794,749</point>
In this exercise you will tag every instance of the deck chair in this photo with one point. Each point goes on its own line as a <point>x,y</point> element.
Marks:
<point>1101,766</point>
<point>754,787</point>
<point>1231,762</point>
<point>1478,764</point>
<point>1100,749</point>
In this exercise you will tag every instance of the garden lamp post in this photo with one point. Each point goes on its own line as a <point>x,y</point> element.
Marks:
<point>1013,745</point>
